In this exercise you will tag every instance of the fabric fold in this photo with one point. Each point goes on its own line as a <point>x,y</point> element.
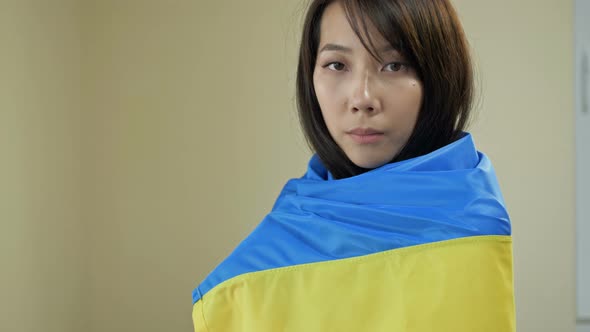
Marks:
<point>449,194</point>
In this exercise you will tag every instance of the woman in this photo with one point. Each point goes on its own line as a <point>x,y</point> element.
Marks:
<point>399,223</point>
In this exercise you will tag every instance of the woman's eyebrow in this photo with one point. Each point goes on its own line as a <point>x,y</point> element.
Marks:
<point>336,47</point>
<point>345,49</point>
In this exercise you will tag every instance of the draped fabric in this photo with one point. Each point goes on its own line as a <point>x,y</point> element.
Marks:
<point>418,245</point>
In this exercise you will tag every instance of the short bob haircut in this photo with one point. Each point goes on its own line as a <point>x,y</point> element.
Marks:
<point>429,35</point>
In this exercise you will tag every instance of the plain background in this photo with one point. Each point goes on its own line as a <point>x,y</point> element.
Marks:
<point>141,140</point>
<point>582,120</point>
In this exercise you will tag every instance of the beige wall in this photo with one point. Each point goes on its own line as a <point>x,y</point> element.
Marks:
<point>187,132</point>
<point>42,245</point>
<point>525,53</point>
<point>191,135</point>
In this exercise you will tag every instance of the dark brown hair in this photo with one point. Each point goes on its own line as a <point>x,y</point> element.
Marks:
<point>429,35</point>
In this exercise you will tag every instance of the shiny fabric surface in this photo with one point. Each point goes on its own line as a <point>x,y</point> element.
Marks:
<point>448,194</point>
<point>459,285</point>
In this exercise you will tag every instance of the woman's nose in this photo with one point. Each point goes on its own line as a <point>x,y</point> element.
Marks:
<point>363,95</point>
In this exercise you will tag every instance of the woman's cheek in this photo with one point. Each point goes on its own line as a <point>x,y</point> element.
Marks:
<point>324,89</point>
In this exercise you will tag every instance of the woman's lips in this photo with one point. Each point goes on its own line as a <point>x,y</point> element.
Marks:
<point>365,135</point>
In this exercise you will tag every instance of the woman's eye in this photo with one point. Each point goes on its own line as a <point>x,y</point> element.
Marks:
<point>394,66</point>
<point>337,66</point>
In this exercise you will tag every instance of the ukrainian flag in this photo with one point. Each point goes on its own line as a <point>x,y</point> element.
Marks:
<point>419,245</point>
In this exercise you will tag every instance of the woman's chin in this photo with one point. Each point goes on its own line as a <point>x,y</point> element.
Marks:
<point>369,163</point>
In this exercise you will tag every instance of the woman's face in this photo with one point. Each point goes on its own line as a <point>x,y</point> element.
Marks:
<point>370,108</point>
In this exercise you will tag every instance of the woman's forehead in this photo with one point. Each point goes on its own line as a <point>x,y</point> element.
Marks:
<point>337,34</point>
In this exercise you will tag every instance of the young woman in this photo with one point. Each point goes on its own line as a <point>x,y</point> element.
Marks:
<point>399,223</point>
